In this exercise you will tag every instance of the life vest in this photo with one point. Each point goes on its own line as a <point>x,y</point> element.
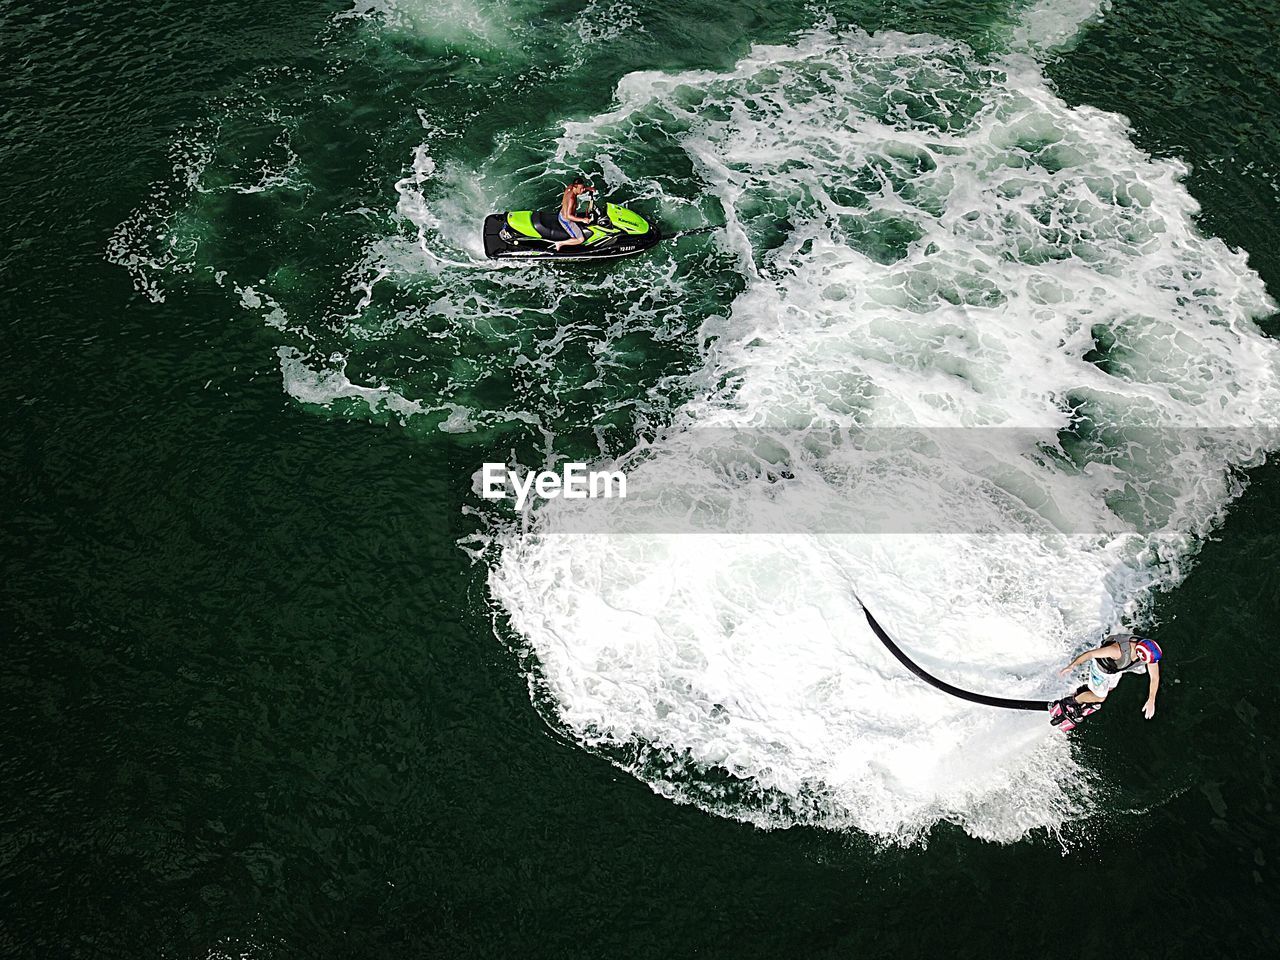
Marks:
<point>1128,662</point>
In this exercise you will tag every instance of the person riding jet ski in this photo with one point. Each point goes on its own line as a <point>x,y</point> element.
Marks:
<point>580,228</point>
<point>569,218</point>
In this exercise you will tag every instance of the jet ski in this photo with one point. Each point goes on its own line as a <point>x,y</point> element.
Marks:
<point>612,232</point>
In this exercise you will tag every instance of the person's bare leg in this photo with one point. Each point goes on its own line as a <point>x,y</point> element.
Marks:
<point>572,242</point>
<point>1088,696</point>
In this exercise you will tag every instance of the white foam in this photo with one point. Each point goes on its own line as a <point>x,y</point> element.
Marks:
<point>326,385</point>
<point>602,21</point>
<point>1051,26</point>
<point>955,236</point>
<point>473,24</point>
<point>919,239</point>
<point>273,315</point>
<point>154,240</point>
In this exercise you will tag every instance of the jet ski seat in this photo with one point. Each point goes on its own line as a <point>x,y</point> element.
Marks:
<point>547,223</point>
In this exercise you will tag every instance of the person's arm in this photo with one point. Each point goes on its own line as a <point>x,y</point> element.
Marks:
<point>1153,684</point>
<point>569,207</point>
<point>1106,650</point>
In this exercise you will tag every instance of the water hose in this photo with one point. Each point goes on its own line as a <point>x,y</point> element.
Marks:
<point>1005,702</point>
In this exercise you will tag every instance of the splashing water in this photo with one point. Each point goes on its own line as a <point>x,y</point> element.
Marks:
<point>916,240</point>
<point>927,241</point>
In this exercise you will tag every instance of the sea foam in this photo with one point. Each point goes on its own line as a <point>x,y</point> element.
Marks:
<point>927,241</point>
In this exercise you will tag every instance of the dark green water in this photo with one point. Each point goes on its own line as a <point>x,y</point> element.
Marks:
<point>254,700</point>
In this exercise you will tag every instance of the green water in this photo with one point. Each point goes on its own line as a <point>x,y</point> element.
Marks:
<point>255,704</point>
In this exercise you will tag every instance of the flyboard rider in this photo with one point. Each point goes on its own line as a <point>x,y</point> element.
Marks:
<point>1119,654</point>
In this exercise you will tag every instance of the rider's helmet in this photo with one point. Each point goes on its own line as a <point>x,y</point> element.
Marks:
<point>1148,651</point>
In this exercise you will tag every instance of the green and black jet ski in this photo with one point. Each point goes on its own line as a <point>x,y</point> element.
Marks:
<point>614,231</point>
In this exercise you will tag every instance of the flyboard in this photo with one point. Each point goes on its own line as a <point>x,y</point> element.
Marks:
<point>1066,714</point>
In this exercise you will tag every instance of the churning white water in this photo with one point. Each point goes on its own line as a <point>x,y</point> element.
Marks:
<point>960,349</point>
<point>928,241</point>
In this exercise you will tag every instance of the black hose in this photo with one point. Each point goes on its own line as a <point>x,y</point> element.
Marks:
<point>942,685</point>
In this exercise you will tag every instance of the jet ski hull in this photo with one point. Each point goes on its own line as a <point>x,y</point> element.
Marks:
<point>501,242</point>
